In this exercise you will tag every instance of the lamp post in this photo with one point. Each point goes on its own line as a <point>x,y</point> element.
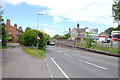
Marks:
<point>37,27</point>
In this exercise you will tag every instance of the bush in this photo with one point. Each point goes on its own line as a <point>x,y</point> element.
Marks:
<point>28,38</point>
<point>88,40</point>
<point>41,42</point>
<point>9,39</point>
<point>4,34</point>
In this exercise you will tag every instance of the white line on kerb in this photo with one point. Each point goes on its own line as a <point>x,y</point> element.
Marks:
<point>60,69</point>
<point>92,64</point>
<point>49,70</point>
<point>67,55</point>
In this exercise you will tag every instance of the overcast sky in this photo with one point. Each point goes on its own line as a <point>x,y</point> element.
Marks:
<point>60,15</point>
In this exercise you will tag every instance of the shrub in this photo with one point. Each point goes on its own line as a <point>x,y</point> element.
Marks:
<point>4,34</point>
<point>9,39</point>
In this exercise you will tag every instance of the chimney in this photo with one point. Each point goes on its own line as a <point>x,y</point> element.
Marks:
<point>20,28</point>
<point>15,26</point>
<point>78,25</point>
<point>8,22</point>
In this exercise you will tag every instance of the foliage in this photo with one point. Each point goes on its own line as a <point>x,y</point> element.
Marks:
<point>28,28</point>
<point>56,36</point>
<point>9,39</point>
<point>28,38</point>
<point>88,40</point>
<point>67,36</point>
<point>99,47</point>
<point>4,40</point>
<point>116,10</point>
<point>109,30</point>
<point>46,36</point>
<point>41,42</point>
<point>21,39</point>
<point>34,52</point>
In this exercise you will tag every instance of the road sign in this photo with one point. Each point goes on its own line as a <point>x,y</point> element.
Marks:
<point>38,38</point>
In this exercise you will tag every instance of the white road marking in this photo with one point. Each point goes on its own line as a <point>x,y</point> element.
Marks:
<point>92,64</point>
<point>51,48</point>
<point>67,55</point>
<point>49,70</point>
<point>59,51</point>
<point>60,69</point>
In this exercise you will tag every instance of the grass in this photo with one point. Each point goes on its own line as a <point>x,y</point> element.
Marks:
<point>3,47</point>
<point>34,52</point>
<point>99,47</point>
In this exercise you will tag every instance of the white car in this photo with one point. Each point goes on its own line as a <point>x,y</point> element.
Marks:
<point>52,43</point>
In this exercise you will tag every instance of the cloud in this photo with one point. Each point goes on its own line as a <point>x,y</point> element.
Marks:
<point>95,11</point>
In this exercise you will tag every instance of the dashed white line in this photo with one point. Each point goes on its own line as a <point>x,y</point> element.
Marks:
<point>60,69</point>
<point>67,55</point>
<point>92,64</point>
<point>59,51</point>
<point>49,70</point>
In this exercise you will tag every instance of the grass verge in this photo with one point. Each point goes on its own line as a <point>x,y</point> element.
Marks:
<point>3,47</point>
<point>99,47</point>
<point>34,52</point>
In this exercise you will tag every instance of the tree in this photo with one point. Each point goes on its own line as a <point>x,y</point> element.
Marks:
<point>28,28</point>
<point>28,38</point>
<point>88,40</point>
<point>116,10</point>
<point>56,36</point>
<point>42,42</point>
<point>67,36</point>
<point>4,34</point>
<point>109,30</point>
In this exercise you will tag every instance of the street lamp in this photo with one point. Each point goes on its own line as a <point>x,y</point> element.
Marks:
<point>38,26</point>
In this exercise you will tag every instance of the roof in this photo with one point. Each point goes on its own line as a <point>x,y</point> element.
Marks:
<point>13,28</point>
<point>103,34</point>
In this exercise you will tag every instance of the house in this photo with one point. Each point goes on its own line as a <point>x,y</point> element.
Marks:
<point>13,31</point>
<point>102,36</point>
<point>79,33</point>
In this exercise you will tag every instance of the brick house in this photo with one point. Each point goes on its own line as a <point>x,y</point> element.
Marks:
<point>13,31</point>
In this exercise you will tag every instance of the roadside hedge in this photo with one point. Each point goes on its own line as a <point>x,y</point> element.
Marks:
<point>29,38</point>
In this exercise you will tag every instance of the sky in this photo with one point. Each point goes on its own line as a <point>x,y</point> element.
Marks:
<point>59,15</point>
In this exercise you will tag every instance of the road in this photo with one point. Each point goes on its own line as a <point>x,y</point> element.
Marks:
<point>59,63</point>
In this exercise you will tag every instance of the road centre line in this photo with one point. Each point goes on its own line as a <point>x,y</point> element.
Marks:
<point>67,55</point>
<point>92,64</point>
<point>49,69</point>
<point>60,69</point>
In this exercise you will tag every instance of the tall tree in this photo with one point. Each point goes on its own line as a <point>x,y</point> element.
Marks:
<point>109,30</point>
<point>116,10</point>
<point>28,28</point>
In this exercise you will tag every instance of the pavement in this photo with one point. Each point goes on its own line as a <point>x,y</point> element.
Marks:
<point>58,63</point>
<point>18,64</point>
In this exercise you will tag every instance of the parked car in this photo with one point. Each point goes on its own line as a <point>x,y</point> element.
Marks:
<point>94,39</point>
<point>106,40</point>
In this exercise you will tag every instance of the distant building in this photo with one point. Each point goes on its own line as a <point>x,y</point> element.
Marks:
<point>102,36</point>
<point>79,33</point>
<point>13,31</point>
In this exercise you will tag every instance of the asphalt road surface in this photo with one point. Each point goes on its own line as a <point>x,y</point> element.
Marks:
<point>59,63</point>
